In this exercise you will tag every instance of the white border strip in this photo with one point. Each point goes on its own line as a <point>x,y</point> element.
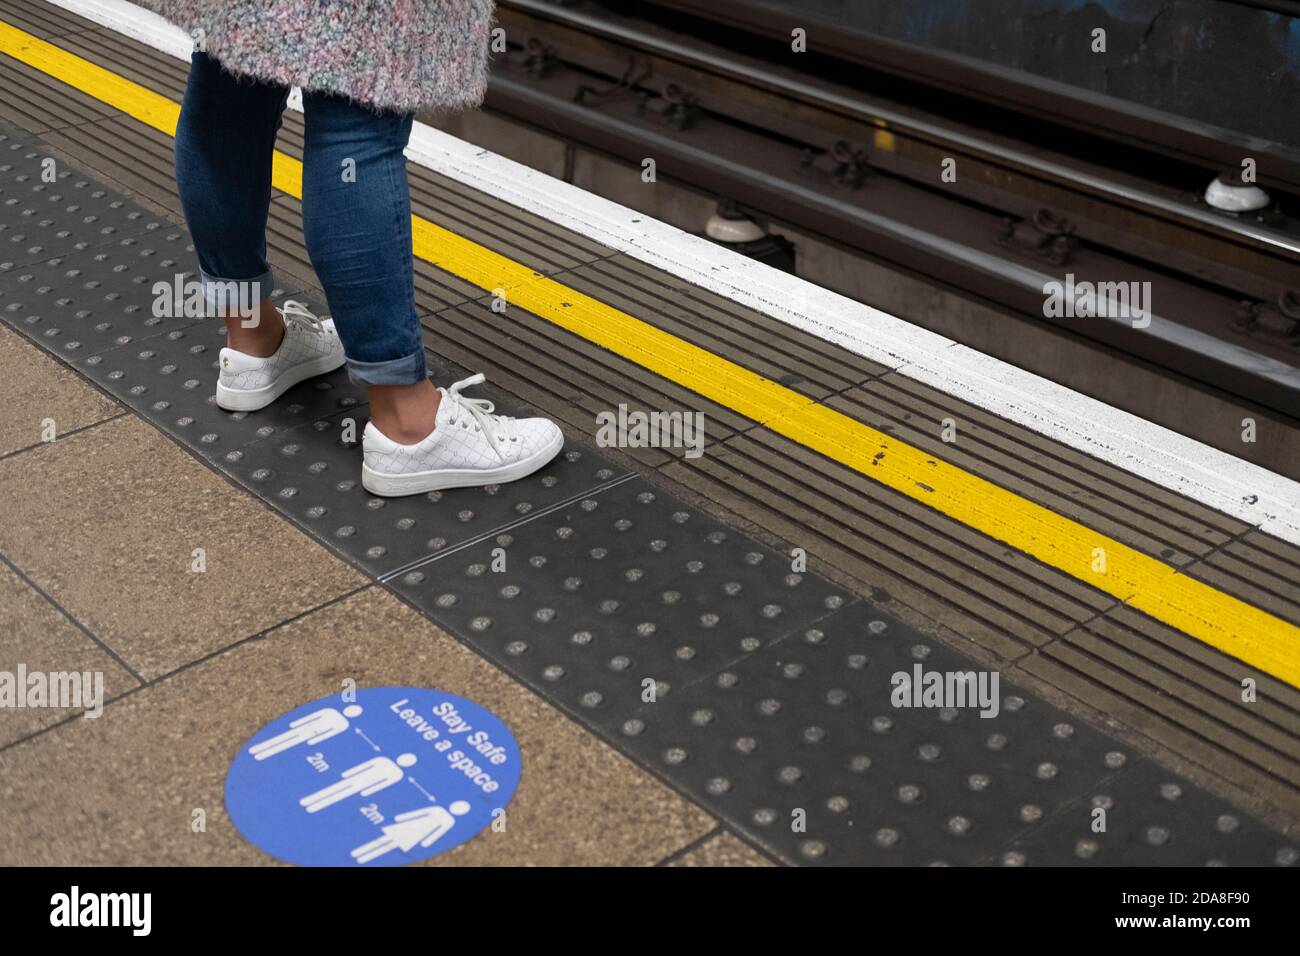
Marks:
<point>1185,466</point>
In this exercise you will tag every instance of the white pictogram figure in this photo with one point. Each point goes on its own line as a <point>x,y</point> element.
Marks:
<point>423,826</point>
<point>312,729</point>
<point>364,779</point>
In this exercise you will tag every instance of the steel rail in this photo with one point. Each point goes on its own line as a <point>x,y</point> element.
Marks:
<point>1257,234</point>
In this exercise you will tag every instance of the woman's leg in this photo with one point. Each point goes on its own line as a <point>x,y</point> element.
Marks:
<point>224,143</point>
<point>356,208</point>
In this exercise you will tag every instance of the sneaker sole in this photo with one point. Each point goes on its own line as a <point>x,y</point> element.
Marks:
<point>251,399</point>
<point>419,482</point>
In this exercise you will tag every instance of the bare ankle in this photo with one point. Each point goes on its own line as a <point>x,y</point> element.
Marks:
<point>259,334</point>
<point>406,414</point>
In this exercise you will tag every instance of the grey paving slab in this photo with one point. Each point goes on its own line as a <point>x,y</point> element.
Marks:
<point>42,639</point>
<point>109,523</point>
<point>39,393</point>
<point>723,850</point>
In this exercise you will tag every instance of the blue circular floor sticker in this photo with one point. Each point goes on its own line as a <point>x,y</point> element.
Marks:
<point>397,775</point>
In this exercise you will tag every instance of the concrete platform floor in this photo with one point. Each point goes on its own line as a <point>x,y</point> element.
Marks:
<point>97,543</point>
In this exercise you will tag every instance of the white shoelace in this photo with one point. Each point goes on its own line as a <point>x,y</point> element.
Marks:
<point>479,409</point>
<point>297,313</point>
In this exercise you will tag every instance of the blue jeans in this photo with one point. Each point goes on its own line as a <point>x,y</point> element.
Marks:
<point>356,210</point>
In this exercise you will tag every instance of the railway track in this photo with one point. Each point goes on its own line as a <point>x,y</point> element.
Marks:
<point>1005,220</point>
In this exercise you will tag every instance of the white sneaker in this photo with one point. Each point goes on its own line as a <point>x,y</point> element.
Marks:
<point>469,446</point>
<point>310,347</point>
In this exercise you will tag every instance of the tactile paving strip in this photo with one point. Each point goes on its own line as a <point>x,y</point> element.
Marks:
<point>169,376</point>
<point>314,477</point>
<point>771,689</point>
<point>801,745</point>
<point>44,219</point>
<point>1152,818</point>
<point>590,601</point>
<point>99,298</point>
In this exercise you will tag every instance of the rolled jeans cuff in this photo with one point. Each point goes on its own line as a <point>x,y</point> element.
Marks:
<point>407,370</point>
<point>235,296</point>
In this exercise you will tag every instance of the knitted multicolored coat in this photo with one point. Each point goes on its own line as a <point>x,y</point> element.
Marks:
<point>389,54</point>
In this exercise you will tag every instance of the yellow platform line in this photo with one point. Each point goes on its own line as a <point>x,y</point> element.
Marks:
<point>1220,620</point>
